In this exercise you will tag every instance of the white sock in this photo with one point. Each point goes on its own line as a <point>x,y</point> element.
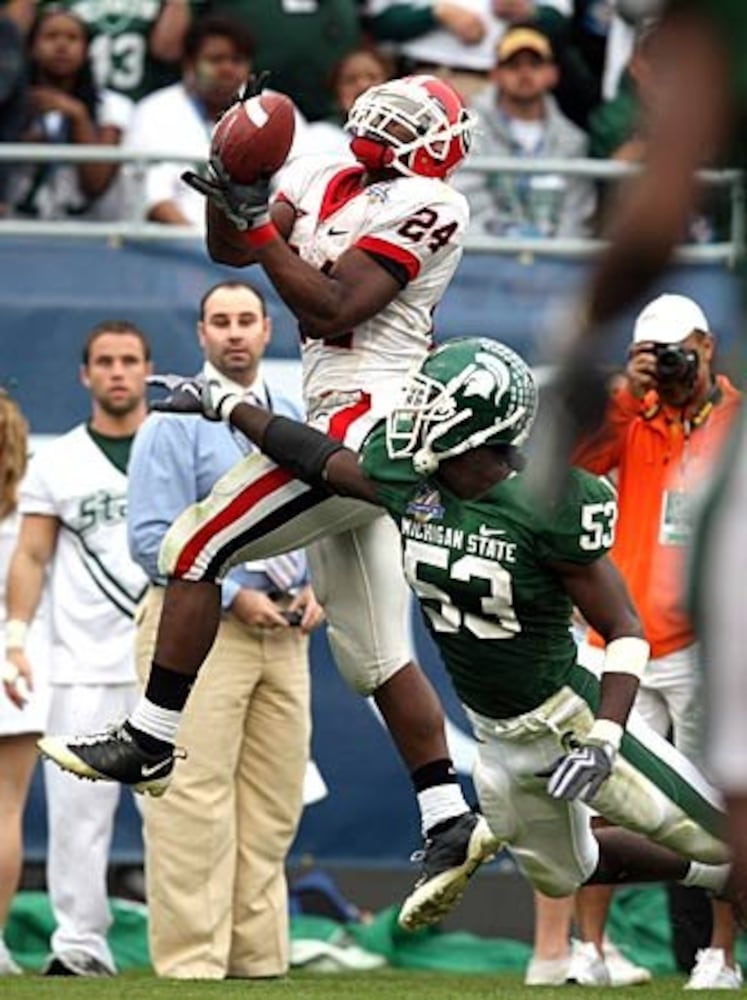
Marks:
<point>160,723</point>
<point>439,803</point>
<point>711,877</point>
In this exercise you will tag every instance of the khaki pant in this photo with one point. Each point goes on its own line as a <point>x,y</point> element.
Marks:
<point>215,845</point>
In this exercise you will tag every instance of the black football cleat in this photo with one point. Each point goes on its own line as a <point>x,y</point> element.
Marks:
<point>112,756</point>
<point>449,859</point>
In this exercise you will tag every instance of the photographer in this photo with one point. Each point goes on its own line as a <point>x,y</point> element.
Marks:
<point>665,425</point>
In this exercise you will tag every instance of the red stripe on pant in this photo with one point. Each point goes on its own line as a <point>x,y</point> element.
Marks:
<point>236,509</point>
<point>341,421</point>
<point>266,484</point>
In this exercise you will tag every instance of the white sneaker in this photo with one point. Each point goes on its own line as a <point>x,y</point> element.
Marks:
<point>587,967</point>
<point>712,973</point>
<point>546,971</point>
<point>622,971</point>
<point>7,966</point>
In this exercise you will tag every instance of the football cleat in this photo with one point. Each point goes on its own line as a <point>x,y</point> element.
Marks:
<point>449,859</point>
<point>112,756</point>
<point>76,963</point>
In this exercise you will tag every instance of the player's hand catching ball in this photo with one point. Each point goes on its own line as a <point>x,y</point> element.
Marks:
<point>246,206</point>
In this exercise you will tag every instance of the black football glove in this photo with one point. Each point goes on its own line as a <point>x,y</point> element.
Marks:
<point>254,85</point>
<point>580,773</point>
<point>246,206</point>
<point>196,395</point>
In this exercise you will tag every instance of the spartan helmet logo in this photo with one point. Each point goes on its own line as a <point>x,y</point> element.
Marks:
<point>491,380</point>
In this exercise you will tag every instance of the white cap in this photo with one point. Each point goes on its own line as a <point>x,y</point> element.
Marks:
<point>668,320</point>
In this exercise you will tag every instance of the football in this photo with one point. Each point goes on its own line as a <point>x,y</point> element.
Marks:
<point>254,136</point>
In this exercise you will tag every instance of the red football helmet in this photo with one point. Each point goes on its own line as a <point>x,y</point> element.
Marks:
<point>417,125</point>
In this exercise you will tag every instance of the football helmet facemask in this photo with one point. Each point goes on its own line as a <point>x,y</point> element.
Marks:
<point>469,392</point>
<point>417,126</point>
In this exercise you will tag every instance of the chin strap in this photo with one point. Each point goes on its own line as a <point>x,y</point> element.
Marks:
<point>372,154</point>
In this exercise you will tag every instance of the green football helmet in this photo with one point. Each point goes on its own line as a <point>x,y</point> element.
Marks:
<point>469,392</point>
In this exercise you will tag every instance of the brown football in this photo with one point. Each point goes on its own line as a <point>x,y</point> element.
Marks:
<point>254,136</point>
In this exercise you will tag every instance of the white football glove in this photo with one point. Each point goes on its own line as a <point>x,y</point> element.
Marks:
<point>197,395</point>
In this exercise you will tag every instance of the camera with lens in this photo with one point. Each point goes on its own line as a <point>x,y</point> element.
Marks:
<point>675,364</point>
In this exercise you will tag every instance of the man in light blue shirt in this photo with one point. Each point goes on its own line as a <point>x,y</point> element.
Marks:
<point>215,849</point>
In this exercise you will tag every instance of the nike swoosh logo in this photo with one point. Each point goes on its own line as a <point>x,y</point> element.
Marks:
<point>489,532</point>
<point>148,771</point>
<point>337,232</point>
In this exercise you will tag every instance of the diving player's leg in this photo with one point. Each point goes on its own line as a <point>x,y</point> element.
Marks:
<point>255,510</point>
<point>358,577</point>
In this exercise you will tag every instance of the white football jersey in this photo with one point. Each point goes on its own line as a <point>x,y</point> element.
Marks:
<point>94,584</point>
<point>415,223</point>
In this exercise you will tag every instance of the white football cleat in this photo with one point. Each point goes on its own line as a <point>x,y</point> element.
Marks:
<point>587,967</point>
<point>712,973</point>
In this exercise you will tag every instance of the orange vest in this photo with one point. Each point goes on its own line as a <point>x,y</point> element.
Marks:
<point>660,462</point>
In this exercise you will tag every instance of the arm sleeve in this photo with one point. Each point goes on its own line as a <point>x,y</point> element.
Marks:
<point>161,484</point>
<point>602,452</point>
<point>581,526</point>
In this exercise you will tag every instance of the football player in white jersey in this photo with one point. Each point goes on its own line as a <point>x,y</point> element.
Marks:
<point>73,503</point>
<point>361,253</point>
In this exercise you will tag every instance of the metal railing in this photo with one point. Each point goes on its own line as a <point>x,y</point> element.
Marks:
<point>137,228</point>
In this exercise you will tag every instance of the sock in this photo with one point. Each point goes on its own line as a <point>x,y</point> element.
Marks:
<point>153,728</point>
<point>168,689</point>
<point>711,877</point>
<point>439,794</point>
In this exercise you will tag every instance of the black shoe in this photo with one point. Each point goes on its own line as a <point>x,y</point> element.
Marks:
<point>76,964</point>
<point>449,859</point>
<point>112,756</point>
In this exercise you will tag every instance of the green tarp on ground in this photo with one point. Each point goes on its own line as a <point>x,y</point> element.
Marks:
<point>639,924</point>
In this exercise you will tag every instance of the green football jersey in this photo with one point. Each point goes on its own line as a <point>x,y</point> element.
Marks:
<point>481,571</point>
<point>120,31</point>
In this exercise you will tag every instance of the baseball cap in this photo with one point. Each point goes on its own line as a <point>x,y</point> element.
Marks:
<point>521,39</point>
<point>668,320</point>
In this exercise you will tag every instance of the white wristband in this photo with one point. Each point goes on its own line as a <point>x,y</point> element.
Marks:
<point>627,655</point>
<point>606,731</point>
<point>15,633</point>
<point>227,404</point>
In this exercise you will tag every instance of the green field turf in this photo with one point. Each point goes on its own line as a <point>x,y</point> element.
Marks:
<point>389,984</point>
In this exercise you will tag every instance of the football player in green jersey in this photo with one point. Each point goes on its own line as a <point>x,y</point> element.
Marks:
<point>497,580</point>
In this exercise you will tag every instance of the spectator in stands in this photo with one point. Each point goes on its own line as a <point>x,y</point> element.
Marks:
<point>357,71</point>
<point>619,127</point>
<point>216,844</point>
<point>12,93</point>
<point>135,47</point>
<point>519,118</point>
<point>457,40</point>
<point>20,726</point>
<point>179,118</point>
<point>73,503</point>
<point>299,42</point>
<point>67,107</point>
